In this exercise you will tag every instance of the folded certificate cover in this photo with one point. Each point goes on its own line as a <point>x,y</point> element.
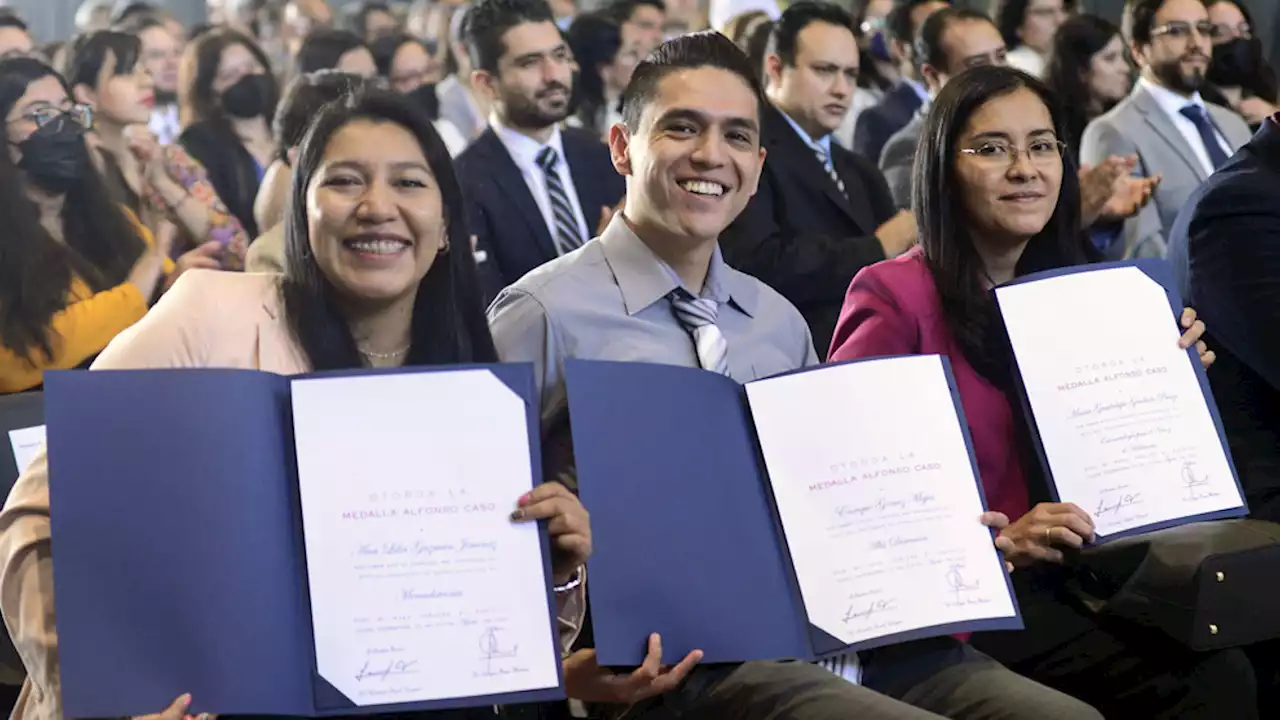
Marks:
<point>1125,424</point>
<point>800,516</point>
<point>310,546</point>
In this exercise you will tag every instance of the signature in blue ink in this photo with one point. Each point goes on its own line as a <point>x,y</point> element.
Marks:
<point>382,671</point>
<point>1109,506</point>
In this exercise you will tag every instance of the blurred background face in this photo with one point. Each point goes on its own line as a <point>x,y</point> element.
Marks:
<point>966,44</point>
<point>1009,201</point>
<point>412,68</point>
<point>695,159</point>
<point>1109,74</point>
<point>235,63</point>
<point>1179,51</point>
<point>14,42</point>
<point>618,73</point>
<point>124,98</point>
<point>816,92</point>
<point>644,28</point>
<point>161,56</point>
<point>379,23</point>
<point>359,62</point>
<point>535,76</point>
<point>375,217</point>
<point>1041,23</point>
<point>1230,22</point>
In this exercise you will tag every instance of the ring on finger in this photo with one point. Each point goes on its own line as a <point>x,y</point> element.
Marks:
<point>1048,535</point>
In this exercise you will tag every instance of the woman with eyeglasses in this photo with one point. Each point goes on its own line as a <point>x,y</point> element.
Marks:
<point>77,267</point>
<point>371,166</point>
<point>163,186</point>
<point>226,98</point>
<point>406,65</point>
<point>997,199</point>
<point>1239,75</point>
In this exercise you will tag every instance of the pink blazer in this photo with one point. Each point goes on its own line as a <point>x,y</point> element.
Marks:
<point>892,308</point>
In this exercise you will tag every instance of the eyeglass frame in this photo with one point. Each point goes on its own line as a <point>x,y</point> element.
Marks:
<point>84,113</point>
<point>1013,152</point>
<point>1174,28</point>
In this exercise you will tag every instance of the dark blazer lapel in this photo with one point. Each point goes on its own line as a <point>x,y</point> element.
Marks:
<point>854,187</point>
<point>513,188</point>
<point>787,149</point>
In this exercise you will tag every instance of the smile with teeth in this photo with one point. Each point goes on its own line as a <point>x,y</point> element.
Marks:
<point>703,187</point>
<point>379,246</point>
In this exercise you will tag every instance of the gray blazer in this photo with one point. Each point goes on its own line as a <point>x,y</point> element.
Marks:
<point>898,158</point>
<point>1138,126</point>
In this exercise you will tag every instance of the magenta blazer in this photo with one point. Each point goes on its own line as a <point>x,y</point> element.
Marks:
<point>892,308</point>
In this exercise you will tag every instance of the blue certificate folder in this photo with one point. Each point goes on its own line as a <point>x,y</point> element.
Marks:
<point>178,545</point>
<point>1160,272</point>
<point>686,537</point>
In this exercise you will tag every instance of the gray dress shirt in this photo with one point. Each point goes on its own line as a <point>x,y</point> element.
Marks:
<point>608,301</point>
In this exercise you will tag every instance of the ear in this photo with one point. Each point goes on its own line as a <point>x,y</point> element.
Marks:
<point>292,155</point>
<point>620,148</point>
<point>84,95</point>
<point>932,78</point>
<point>484,82</point>
<point>759,170</point>
<point>773,68</point>
<point>1139,57</point>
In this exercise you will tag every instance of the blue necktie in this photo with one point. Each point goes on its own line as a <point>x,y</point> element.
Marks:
<point>1208,133</point>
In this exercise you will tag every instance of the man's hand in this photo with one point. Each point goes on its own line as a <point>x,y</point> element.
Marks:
<point>898,233</point>
<point>567,522</point>
<point>1256,110</point>
<point>1098,185</point>
<point>1129,195</point>
<point>176,711</point>
<point>585,680</point>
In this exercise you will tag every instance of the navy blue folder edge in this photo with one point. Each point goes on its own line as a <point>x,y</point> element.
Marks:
<point>830,646</point>
<point>1160,272</point>
<point>328,700</point>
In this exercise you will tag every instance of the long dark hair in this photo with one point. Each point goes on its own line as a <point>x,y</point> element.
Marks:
<point>448,323</point>
<point>100,244</point>
<point>595,40</point>
<point>1078,40</point>
<point>1010,15</point>
<point>968,308</point>
<point>196,98</point>
<point>323,48</point>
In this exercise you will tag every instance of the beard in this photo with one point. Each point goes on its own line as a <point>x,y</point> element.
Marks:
<point>526,112</point>
<point>1171,76</point>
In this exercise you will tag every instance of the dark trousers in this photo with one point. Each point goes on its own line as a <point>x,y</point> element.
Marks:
<point>1123,670</point>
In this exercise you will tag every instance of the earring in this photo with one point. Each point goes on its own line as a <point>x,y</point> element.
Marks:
<point>444,246</point>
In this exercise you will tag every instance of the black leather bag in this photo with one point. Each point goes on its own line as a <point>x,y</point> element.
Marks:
<point>1207,585</point>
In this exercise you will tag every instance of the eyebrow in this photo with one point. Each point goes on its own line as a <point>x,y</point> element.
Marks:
<point>361,166</point>
<point>999,135</point>
<point>740,123</point>
<point>538,54</point>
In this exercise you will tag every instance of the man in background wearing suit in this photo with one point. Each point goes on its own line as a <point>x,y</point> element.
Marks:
<point>1164,121</point>
<point>1225,252</point>
<point>821,213</point>
<point>951,41</point>
<point>877,124</point>
<point>534,191</point>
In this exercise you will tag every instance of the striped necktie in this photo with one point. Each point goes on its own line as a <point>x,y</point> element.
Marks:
<point>698,316</point>
<point>568,235</point>
<point>846,666</point>
<point>825,159</point>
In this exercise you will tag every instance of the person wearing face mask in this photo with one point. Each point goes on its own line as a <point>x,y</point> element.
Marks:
<point>227,96</point>
<point>407,66</point>
<point>372,169</point>
<point>79,268</point>
<point>1239,75</point>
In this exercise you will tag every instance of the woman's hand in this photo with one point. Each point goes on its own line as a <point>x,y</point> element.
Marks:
<point>1194,329</point>
<point>205,256</point>
<point>585,680</point>
<point>146,148</point>
<point>1098,185</point>
<point>1033,537</point>
<point>567,522</point>
<point>1128,195</point>
<point>147,272</point>
<point>176,711</point>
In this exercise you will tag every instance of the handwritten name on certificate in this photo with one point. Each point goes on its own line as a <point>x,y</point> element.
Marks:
<point>1125,426</point>
<point>878,499</point>
<point>421,587</point>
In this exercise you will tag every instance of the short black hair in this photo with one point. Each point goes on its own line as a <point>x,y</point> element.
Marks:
<point>489,20</point>
<point>10,19</point>
<point>622,10</point>
<point>797,17</point>
<point>359,18</point>
<point>88,54</point>
<point>323,48</point>
<point>687,52</point>
<point>304,98</point>
<point>1141,15</point>
<point>929,40</point>
<point>899,21</point>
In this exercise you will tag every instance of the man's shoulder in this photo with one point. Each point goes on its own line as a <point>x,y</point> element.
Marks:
<point>842,155</point>
<point>904,140</point>
<point>477,155</point>
<point>564,281</point>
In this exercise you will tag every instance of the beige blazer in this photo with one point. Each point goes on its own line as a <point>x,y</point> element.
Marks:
<point>208,319</point>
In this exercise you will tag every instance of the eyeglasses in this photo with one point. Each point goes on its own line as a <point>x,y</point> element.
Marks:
<point>43,116</point>
<point>1234,31</point>
<point>1181,30</point>
<point>996,154</point>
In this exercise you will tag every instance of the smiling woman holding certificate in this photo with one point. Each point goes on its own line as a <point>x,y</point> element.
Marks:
<point>996,197</point>
<point>374,279</point>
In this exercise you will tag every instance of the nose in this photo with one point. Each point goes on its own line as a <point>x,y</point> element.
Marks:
<point>1021,169</point>
<point>842,85</point>
<point>377,204</point>
<point>708,152</point>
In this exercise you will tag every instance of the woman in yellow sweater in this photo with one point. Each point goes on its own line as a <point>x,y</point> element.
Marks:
<point>75,267</point>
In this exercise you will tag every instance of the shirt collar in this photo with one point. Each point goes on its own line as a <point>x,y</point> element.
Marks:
<point>644,279</point>
<point>524,149</point>
<point>1168,100</point>
<point>823,143</point>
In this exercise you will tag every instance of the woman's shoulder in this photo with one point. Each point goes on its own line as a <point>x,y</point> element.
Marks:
<point>906,274</point>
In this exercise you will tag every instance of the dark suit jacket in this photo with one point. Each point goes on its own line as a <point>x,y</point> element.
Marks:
<point>800,235</point>
<point>503,213</point>
<point>877,124</point>
<point>232,170</point>
<point>1225,248</point>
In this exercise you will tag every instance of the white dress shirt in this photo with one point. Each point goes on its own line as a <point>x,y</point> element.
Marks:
<point>1172,104</point>
<point>524,151</point>
<point>1027,60</point>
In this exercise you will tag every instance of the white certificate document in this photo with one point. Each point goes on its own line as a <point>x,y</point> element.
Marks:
<point>26,444</point>
<point>878,499</point>
<point>421,586</point>
<point>1125,426</point>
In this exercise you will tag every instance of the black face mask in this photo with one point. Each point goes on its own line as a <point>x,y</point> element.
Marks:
<point>249,97</point>
<point>1234,63</point>
<point>54,157</point>
<point>424,96</point>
